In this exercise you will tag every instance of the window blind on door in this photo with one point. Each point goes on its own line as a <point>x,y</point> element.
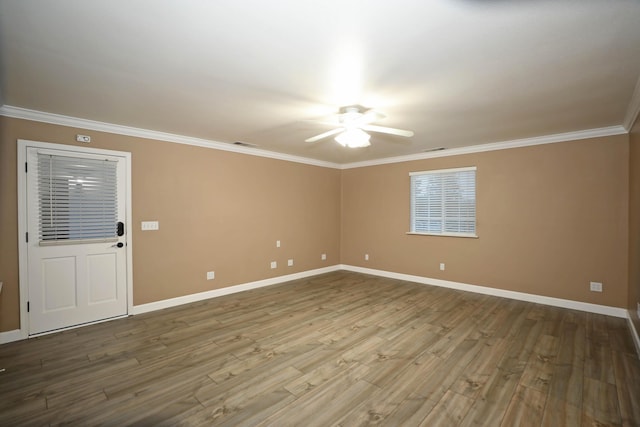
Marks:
<point>77,199</point>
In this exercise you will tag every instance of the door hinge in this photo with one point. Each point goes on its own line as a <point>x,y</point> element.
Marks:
<point>26,236</point>
<point>26,167</point>
<point>28,306</point>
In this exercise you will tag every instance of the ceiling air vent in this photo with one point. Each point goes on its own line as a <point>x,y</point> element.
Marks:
<point>244,144</point>
<point>434,149</point>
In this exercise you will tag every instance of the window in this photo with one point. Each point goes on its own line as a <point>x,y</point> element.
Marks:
<point>77,199</point>
<point>443,202</point>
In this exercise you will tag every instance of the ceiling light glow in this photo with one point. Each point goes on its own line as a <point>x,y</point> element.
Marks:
<point>353,138</point>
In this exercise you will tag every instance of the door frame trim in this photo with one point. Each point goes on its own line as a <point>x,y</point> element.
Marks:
<point>23,221</point>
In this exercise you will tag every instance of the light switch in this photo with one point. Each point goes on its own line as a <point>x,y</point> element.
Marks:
<point>150,225</point>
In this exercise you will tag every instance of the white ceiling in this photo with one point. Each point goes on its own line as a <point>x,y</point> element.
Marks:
<point>456,72</point>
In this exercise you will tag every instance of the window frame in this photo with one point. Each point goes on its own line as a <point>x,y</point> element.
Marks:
<point>412,217</point>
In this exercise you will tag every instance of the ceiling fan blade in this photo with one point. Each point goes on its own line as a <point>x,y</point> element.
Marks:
<point>333,123</point>
<point>391,131</point>
<point>324,135</point>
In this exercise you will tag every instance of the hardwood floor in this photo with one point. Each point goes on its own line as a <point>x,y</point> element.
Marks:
<point>338,349</point>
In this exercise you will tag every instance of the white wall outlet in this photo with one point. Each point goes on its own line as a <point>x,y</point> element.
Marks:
<point>274,264</point>
<point>277,243</point>
<point>150,225</point>
<point>290,262</point>
<point>211,275</point>
<point>83,138</point>
<point>323,257</point>
<point>595,287</point>
<point>442,266</point>
<point>366,257</point>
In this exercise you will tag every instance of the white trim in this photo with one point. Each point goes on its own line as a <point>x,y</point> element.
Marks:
<point>11,336</point>
<point>521,296</point>
<point>15,335</point>
<point>22,219</point>
<point>633,109</point>
<point>23,269</point>
<point>443,201</point>
<point>439,171</point>
<point>186,299</point>
<point>634,333</point>
<point>466,236</point>
<point>129,231</point>
<point>517,143</point>
<point>20,334</point>
<point>57,119</point>
<point>74,154</point>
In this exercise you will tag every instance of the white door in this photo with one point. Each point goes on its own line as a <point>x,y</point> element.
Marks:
<point>76,245</point>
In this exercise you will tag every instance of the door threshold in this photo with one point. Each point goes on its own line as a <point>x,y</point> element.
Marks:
<point>80,325</point>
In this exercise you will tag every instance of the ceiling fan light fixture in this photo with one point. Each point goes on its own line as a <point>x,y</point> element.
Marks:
<point>353,138</point>
<point>353,122</point>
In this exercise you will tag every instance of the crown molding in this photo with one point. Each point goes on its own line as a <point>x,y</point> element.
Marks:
<point>57,119</point>
<point>504,145</point>
<point>633,109</point>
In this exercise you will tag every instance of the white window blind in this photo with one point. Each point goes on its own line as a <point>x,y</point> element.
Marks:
<point>443,202</point>
<point>77,199</point>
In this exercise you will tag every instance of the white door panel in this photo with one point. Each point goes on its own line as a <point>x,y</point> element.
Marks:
<point>74,281</point>
<point>101,275</point>
<point>58,276</point>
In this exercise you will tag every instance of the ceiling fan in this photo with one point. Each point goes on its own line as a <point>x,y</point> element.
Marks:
<point>353,121</point>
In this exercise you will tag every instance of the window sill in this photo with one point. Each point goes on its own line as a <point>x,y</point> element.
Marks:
<point>468,236</point>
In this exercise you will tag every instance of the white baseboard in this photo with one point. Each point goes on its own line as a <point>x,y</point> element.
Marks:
<point>10,336</point>
<point>539,299</point>
<point>15,335</point>
<point>634,333</point>
<point>159,305</point>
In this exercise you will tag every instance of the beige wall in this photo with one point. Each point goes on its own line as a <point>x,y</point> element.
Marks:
<point>550,218</point>
<point>217,210</point>
<point>634,223</point>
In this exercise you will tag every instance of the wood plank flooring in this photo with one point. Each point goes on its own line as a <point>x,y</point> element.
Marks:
<point>341,349</point>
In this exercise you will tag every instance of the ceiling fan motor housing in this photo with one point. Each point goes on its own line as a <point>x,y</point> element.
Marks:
<point>353,109</point>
